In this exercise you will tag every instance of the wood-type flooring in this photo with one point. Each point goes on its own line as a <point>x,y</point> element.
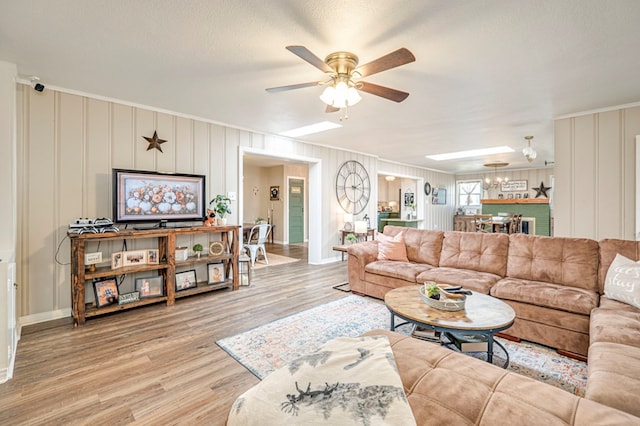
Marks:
<point>158,364</point>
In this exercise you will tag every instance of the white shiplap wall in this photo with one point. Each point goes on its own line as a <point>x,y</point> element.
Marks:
<point>595,163</point>
<point>68,144</point>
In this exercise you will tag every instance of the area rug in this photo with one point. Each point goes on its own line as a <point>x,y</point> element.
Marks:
<point>274,260</point>
<point>268,347</point>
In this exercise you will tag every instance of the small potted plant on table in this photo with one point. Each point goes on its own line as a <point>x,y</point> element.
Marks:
<point>197,249</point>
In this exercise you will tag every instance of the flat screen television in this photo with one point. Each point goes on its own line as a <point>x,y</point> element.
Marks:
<point>147,197</point>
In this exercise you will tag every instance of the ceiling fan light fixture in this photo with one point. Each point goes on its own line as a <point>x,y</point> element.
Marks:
<point>340,95</point>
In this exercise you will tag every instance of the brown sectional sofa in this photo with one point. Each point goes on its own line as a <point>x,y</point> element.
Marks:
<point>444,387</point>
<point>555,285</point>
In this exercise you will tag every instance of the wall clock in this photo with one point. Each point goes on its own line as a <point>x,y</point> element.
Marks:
<point>427,188</point>
<point>353,188</point>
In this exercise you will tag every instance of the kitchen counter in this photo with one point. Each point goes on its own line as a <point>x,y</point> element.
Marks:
<point>409,223</point>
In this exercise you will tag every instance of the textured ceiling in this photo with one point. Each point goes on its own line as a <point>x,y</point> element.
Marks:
<point>487,73</point>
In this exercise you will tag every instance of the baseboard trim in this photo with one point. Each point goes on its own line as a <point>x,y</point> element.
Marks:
<point>44,317</point>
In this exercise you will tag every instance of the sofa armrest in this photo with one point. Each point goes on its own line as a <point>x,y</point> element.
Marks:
<point>359,256</point>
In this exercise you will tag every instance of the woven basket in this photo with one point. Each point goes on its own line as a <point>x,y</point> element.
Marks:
<point>443,304</point>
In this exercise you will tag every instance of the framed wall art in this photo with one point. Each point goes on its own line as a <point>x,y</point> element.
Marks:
<point>186,280</point>
<point>150,286</point>
<point>106,292</point>
<point>274,193</point>
<point>439,196</point>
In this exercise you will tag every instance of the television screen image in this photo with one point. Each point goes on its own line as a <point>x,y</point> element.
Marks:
<point>144,196</point>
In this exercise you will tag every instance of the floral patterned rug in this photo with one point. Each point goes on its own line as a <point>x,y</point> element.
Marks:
<point>268,347</point>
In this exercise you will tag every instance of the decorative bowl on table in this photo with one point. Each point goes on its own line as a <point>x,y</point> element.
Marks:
<point>447,301</point>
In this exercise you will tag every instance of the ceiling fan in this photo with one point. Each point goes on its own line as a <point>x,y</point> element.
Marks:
<point>344,74</point>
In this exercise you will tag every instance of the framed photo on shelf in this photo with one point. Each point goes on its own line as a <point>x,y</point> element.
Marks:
<point>186,280</point>
<point>106,292</point>
<point>116,260</point>
<point>135,257</point>
<point>150,287</point>
<point>152,257</point>
<point>215,272</point>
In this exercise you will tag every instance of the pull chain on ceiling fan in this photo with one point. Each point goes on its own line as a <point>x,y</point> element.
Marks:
<point>342,68</point>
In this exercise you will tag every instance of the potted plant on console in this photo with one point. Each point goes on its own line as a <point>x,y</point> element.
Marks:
<point>222,206</point>
<point>197,249</point>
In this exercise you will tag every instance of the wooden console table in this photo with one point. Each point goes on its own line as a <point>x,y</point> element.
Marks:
<point>165,243</point>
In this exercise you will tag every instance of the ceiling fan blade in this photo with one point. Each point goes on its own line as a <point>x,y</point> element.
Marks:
<point>330,108</point>
<point>293,86</point>
<point>382,91</point>
<point>305,54</point>
<point>394,59</point>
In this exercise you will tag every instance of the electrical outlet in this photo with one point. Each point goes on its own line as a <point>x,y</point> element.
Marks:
<point>231,195</point>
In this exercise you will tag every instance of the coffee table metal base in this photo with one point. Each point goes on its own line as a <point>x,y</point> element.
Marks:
<point>487,333</point>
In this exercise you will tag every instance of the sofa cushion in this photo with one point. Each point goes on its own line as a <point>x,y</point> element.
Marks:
<point>448,388</point>
<point>614,376</point>
<point>623,281</point>
<point>475,251</point>
<point>423,246</point>
<point>568,261</point>
<point>562,297</point>
<point>391,248</point>
<point>608,249</point>
<point>609,325</point>
<point>390,268</point>
<point>472,280</point>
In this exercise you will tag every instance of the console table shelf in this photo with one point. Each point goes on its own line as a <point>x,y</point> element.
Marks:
<point>166,245</point>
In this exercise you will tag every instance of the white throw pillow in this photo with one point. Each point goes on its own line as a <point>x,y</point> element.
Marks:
<point>623,281</point>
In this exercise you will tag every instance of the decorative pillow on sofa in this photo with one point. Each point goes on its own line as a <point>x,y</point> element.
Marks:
<point>623,281</point>
<point>391,248</point>
<point>349,381</point>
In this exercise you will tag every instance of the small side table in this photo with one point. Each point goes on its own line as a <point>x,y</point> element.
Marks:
<point>361,236</point>
<point>342,248</point>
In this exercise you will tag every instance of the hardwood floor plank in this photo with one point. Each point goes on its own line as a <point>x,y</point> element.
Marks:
<point>157,364</point>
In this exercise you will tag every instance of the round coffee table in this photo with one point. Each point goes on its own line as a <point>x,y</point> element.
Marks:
<point>483,315</point>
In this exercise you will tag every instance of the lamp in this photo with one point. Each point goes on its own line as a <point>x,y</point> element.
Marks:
<point>360,227</point>
<point>496,179</point>
<point>341,94</point>
<point>529,153</point>
<point>390,178</point>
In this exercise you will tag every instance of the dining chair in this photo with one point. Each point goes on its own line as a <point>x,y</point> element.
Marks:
<point>516,223</point>
<point>482,223</point>
<point>255,242</point>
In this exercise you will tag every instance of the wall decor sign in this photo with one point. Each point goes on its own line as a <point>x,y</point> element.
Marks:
<point>514,186</point>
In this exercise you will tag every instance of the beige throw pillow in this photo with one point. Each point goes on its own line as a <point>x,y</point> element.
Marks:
<point>623,281</point>
<point>391,248</point>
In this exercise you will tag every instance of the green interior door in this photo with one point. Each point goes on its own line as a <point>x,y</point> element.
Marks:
<point>296,211</point>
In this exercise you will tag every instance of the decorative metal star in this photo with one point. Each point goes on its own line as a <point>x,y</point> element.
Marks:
<point>542,190</point>
<point>154,142</point>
